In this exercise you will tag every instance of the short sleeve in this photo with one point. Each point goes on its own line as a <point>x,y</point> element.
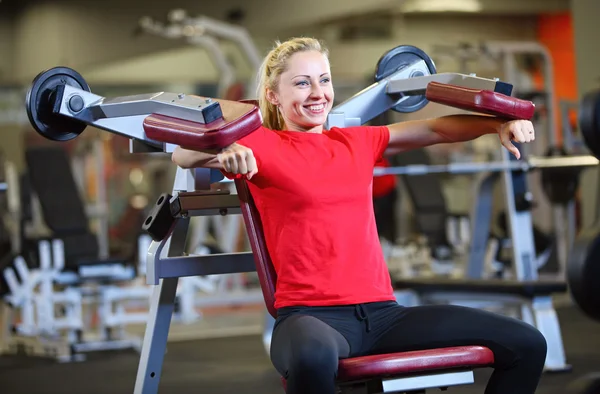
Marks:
<point>374,140</point>
<point>380,136</point>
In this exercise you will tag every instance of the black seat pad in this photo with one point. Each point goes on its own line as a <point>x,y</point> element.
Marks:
<point>485,286</point>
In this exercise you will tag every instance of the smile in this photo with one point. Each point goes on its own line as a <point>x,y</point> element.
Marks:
<point>316,107</point>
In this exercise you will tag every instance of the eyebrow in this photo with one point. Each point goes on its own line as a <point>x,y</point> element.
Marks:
<point>308,76</point>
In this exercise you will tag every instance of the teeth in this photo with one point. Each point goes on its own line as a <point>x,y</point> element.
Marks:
<point>316,107</point>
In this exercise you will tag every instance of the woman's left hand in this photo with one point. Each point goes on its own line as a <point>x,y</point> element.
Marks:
<point>516,130</point>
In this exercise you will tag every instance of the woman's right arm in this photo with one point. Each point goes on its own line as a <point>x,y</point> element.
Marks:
<point>235,159</point>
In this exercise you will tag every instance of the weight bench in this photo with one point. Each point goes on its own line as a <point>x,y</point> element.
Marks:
<point>60,105</point>
<point>64,213</point>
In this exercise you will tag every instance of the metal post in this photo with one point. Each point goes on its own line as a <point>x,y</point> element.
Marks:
<point>162,306</point>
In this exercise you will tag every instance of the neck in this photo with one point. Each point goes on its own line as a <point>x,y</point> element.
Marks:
<point>314,130</point>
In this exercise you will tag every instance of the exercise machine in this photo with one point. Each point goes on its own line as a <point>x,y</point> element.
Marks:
<point>60,105</point>
<point>53,280</point>
<point>196,292</point>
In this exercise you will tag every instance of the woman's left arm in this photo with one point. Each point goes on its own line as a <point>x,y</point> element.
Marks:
<point>457,128</point>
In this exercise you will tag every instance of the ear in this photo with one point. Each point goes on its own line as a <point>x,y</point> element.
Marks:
<point>272,97</point>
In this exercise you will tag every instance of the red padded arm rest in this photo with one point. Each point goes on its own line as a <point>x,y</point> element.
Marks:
<point>482,101</point>
<point>239,120</point>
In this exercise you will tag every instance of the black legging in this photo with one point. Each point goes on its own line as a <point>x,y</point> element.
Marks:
<point>307,342</point>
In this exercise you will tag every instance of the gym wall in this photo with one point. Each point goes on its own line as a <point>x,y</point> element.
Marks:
<point>95,37</point>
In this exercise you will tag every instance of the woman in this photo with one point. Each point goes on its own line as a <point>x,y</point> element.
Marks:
<point>313,190</point>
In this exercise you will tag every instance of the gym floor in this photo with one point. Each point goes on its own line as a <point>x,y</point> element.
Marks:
<point>239,365</point>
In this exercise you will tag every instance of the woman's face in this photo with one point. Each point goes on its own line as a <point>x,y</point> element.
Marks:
<point>305,92</point>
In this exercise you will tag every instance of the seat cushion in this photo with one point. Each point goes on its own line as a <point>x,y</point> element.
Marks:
<point>408,363</point>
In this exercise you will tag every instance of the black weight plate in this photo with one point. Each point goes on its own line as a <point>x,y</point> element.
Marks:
<point>398,58</point>
<point>583,272</point>
<point>589,121</point>
<point>38,104</point>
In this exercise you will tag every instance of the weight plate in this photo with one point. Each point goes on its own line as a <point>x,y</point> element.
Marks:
<point>589,121</point>
<point>583,272</point>
<point>398,58</point>
<point>39,103</point>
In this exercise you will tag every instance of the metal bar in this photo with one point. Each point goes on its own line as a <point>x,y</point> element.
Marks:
<point>162,305</point>
<point>97,108</point>
<point>186,202</point>
<point>481,221</point>
<point>468,168</point>
<point>519,223</point>
<point>417,85</point>
<point>373,100</point>
<point>210,264</point>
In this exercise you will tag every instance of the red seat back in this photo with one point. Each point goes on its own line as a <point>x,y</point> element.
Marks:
<point>264,266</point>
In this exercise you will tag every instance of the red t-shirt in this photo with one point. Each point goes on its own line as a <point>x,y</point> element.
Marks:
<point>314,195</point>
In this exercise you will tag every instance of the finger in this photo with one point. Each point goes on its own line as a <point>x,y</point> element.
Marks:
<point>233,164</point>
<point>530,131</point>
<point>505,140</point>
<point>240,159</point>
<point>517,132</point>
<point>223,162</point>
<point>252,166</point>
<point>525,130</point>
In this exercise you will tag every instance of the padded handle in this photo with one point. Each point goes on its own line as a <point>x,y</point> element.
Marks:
<point>482,101</point>
<point>239,119</point>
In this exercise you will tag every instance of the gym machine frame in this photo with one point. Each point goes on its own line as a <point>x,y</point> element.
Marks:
<point>400,87</point>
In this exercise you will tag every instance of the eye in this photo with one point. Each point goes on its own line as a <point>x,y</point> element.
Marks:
<point>302,83</point>
<point>325,80</point>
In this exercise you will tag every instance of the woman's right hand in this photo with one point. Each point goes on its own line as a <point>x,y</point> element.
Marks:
<point>238,159</point>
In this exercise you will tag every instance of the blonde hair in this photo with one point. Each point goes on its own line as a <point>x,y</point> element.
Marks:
<point>274,64</point>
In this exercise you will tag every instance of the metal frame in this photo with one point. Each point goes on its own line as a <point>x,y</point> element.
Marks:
<point>411,384</point>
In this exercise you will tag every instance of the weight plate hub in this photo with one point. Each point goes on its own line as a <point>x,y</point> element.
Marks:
<point>589,121</point>
<point>39,104</point>
<point>397,59</point>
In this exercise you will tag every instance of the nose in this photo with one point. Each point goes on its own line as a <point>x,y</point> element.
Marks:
<point>316,91</point>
